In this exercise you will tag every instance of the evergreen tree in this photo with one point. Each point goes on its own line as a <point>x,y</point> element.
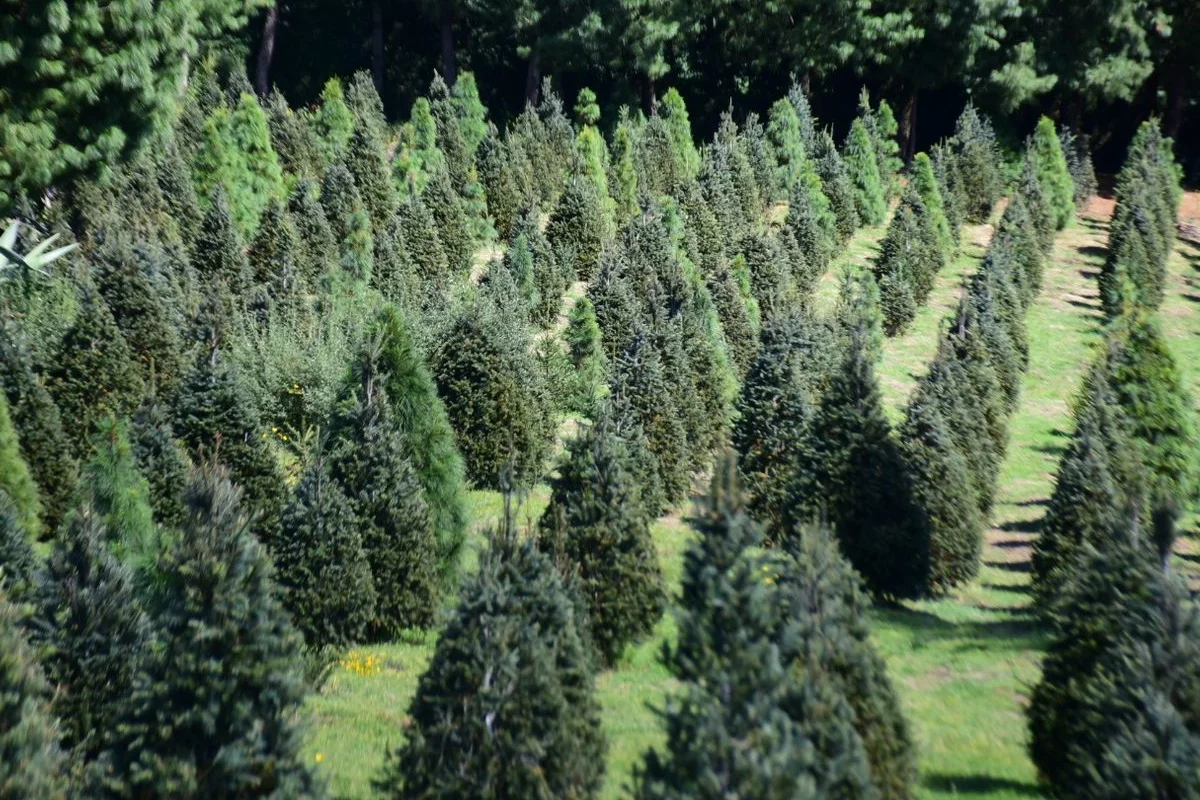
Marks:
<point>471,113</point>
<point>738,315</point>
<point>838,186</point>
<point>276,246</point>
<point>366,158</point>
<point>371,460</point>
<point>394,274</point>
<point>597,522</point>
<point>33,765</point>
<point>550,281</point>
<point>1077,150</point>
<point>318,249</point>
<point>584,346</point>
<point>93,372</point>
<point>424,246</point>
<point>17,559</point>
<point>787,147</point>
<point>15,480</point>
<point>447,211</point>
<point>293,139</point>
<point>623,174</point>
<point>770,273</point>
<point>89,623</point>
<point>185,729</point>
<point>1050,163</point>
<point>659,162</point>
<point>119,498</point>
<point>216,420</point>
<point>38,424</point>
<point>349,222</point>
<point>811,221</point>
<point>507,707</point>
<point>945,169</point>
<point>161,460</point>
<point>576,229</point>
<point>870,198</point>
<point>927,187</point>
<point>504,196</point>
<point>219,254</point>
<point>322,567</point>
<point>496,398</point>
<point>899,270</point>
<point>333,123</point>
<point>674,112</point>
<point>858,472</point>
<point>883,128</point>
<point>977,165</point>
<point>942,491</point>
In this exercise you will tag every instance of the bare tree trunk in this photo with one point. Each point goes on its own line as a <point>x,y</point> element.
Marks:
<point>262,75</point>
<point>533,78</point>
<point>377,44</point>
<point>908,126</point>
<point>449,63</point>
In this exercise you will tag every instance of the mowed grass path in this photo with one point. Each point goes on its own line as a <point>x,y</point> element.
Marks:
<point>963,665</point>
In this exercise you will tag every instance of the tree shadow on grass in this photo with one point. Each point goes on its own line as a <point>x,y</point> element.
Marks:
<point>1092,250</point>
<point>968,785</point>
<point>1009,566</point>
<point>1017,630</point>
<point>1019,526</point>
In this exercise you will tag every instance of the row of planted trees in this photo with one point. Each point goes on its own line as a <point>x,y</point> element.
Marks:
<point>1114,713</point>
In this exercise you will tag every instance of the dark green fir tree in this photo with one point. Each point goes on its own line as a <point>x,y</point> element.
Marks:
<point>161,460</point>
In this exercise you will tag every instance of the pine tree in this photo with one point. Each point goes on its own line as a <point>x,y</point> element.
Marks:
<point>371,460</point>
<point>674,112</point>
<point>549,280</point>
<point>185,729</point>
<point>293,139</point>
<point>504,197</point>
<point>471,113</point>
<point>977,165</point>
<point>811,221</point>
<point>424,246</point>
<point>119,498</point>
<point>1077,150</point>
<point>870,198</point>
<point>93,373</point>
<point>507,707</point>
<point>161,460</point>
<point>276,246</point>
<point>318,249</point>
<point>495,397</point>
<point>597,522</point>
<point>787,147</point>
<point>770,273</point>
<point>576,229</point>
<point>926,185</point>
<point>17,558</point>
<point>858,472</point>
<point>366,158</point>
<point>775,410</point>
<point>349,222</point>
<point>322,566</point>
<point>216,420</point>
<point>89,623</point>
<point>584,346</point>
<point>837,185</point>
<point>33,764</point>
<point>942,491</point>
<point>179,193</point>
<point>738,316</point>
<point>887,150</point>
<point>900,269</point>
<point>333,123</point>
<point>623,175</point>
<point>39,429</point>
<point>418,155</point>
<point>1046,152</point>
<point>658,160</point>
<point>219,254</point>
<point>15,480</point>
<point>448,214</point>
<point>945,170</point>
<point>393,273</point>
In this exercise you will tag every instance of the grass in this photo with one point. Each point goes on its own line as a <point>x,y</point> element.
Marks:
<point>963,664</point>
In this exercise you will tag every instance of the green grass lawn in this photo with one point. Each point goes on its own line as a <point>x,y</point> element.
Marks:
<point>964,664</point>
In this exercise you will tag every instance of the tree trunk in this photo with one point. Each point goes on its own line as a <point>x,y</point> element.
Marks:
<point>449,64</point>
<point>908,126</point>
<point>377,44</point>
<point>533,78</point>
<point>1176,101</point>
<point>262,75</point>
<point>649,95</point>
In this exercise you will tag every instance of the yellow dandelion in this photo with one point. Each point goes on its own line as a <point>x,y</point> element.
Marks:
<point>320,757</point>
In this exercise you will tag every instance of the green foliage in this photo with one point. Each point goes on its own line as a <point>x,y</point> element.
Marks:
<point>17,559</point>
<point>587,110</point>
<point>88,621</point>
<point>496,398</point>
<point>593,153</point>
<point>770,272</point>
<point>350,222</point>
<point>811,221</point>
<point>366,158</point>
<point>1078,152</point>
<point>787,146</point>
<point>1037,202</point>
<point>977,165</point>
<point>928,188</point>
<point>275,249</point>
<point>322,567</point>
<point>161,460</point>
<point>333,123</point>
<point>504,196</point>
<point>674,111</point>
<point>418,155</point>
<point>318,250</point>
<point>216,420</point>
<point>422,418</point>
<point>837,185</point>
<point>576,229</point>
<point>236,154</point>
<point>585,348</point>
<point>870,196</point>
<point>186,729</point>
<point>1051,165</point>
<point>472,116</point>
<point>623,174</point>
<point>598,525</point>
<point>429,257</point>
<point>119,498</point>
<point>371,460</point>
<point>293,140</point>
<point>507,705</point>
<point>857,473</point>
<point>33,765</point>
<point>15,480</point>
<point>447,211</point>
<point>219,254</point>
<point>93,373</point>
<point>887,150</point>
<point>942,491</point>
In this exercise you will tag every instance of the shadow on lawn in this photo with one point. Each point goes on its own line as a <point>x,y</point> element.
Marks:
<point>1016,630</point>
<point>978,784</point>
